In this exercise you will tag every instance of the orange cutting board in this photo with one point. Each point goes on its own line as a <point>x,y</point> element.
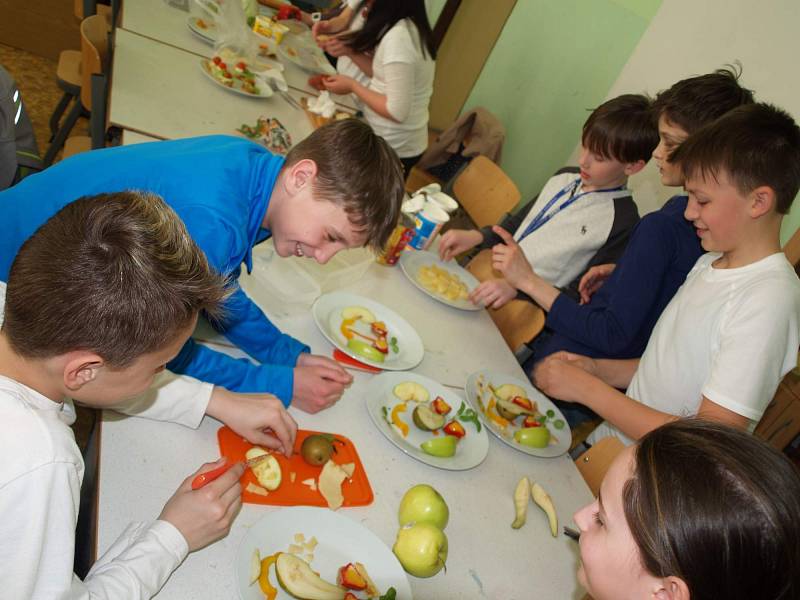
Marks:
<point>356,491</point>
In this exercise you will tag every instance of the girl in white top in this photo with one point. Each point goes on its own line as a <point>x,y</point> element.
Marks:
<point>395,50</point>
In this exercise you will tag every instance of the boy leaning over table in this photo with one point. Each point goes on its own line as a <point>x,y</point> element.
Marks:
<point>339,188</point>
<point>98,300</point>
<point>731,332</point>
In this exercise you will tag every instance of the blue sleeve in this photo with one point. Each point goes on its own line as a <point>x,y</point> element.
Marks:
<point>249,329</point>
<point>630,293</point>
<point>235,374</point>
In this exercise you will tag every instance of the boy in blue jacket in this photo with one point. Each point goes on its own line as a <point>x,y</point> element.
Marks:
<point>339,188</point>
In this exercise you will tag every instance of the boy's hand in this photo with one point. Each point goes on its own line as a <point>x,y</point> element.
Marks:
<point>203,516</point>
<point>260,418</point>
<point>338,84</point>
<point>562,375</point>
<point>318,382</point>
<point>456,241</point>
<point>593,280</point>
<point>493,293</point>
<point>335,47</point>
<point>509,259</point>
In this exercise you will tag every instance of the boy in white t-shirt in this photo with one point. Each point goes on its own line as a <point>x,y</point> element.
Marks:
<point>98,300</point>
<point>722,345</point>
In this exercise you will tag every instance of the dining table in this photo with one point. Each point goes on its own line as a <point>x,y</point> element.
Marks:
<point>167,24</point>
<point>143,461</point>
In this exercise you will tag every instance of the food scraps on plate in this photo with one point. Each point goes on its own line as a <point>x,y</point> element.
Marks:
<point>517,416</point>
<point>296,576</point>
<point>270,132</point>
<point>430,416</point>
<point>442,282</point>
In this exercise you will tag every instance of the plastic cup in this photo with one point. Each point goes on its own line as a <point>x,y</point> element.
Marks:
<point>427,224</point>
<point>443,201</point>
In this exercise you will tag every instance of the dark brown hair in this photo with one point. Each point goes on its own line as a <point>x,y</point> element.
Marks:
<point>696,101</point>
<point>358,170</point>
<point>115,274</point>
<point>754,145</point>
<point>382,15</point>
<point>622,129</point>
<point>717,508</point>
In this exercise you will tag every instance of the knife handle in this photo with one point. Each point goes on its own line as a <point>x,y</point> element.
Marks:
<point>209,476</point>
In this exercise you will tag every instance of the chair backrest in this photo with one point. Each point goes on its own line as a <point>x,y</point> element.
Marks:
<point>484,191</point>
<point>792,249</point>
<point>519,321</point>
<point>94,54</point>
<point>594,463</point>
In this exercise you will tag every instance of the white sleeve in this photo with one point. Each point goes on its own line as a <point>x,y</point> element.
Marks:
<point>40,511</point>
<point>399,89</point>
<point>175,398</point>
<point>758,344</point>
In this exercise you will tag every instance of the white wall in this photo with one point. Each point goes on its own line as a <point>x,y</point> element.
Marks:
<point>692,37</point>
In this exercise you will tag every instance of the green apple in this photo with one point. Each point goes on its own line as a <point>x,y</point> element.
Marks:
<point>535,437</point>
<point>365,350</point>
<point>444,446</point>
<point>423,504</point>
<point>421,548</point>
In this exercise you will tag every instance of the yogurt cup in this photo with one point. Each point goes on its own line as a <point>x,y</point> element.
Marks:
<point>427,223</point>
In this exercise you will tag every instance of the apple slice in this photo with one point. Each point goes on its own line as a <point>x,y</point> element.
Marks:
<point>297,578</point>
<point>508,390</point>
<point>268,471</point>
<point>358,312</point>
<point>411,391</point>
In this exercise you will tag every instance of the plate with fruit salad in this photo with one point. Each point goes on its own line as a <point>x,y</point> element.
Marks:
<point>427,421</point>
<point>236,75</point>
<point>305,552</point>
<point>368,331</point>
<point>519,414</point>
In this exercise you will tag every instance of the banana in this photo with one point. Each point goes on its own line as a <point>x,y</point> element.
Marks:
<point>297,578</point>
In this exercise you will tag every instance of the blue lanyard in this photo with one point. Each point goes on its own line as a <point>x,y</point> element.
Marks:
<point>543,216</point>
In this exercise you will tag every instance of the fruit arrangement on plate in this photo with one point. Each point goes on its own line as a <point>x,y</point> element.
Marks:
<point>432,416</point>
<point>516,416</point>
<point>296,576</point>
<point>442,282</point>
<point>236,75</point>
<point>367,336</point>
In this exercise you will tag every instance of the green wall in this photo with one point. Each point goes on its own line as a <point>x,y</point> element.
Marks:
<point>791,222</point>
<point>554,61</point>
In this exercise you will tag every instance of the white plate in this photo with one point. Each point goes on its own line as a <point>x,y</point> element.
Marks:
<point>209,35</point>
<point>472,448</point>
<point>265,91</point>
<point>340,541</point>
<point>412,260</point>
<point>563,436</point>
<point>327,311</point>
<point>305,56</point>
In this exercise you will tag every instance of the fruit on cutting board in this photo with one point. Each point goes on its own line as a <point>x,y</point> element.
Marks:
<point>426,419</point>
<point>358,312</point>
<point>443,447</point>
<point>534,437</point>
<point>421,548</point>
<point>317,449</point>
<point>411,391</point>
<point>268,471</point>
<point>423,504</point>
<point>366,350</point>
<point>296,577</point>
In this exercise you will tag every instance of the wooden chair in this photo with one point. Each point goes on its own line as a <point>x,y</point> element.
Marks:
<point>594,463</point>
<point>94,58</point>
<point>519,321</point>
<point>484,191</point>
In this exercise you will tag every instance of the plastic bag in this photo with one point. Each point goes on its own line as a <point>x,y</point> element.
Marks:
<point>235,40</point>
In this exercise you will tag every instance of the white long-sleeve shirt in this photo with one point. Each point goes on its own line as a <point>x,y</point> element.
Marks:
<point>40,480</point>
